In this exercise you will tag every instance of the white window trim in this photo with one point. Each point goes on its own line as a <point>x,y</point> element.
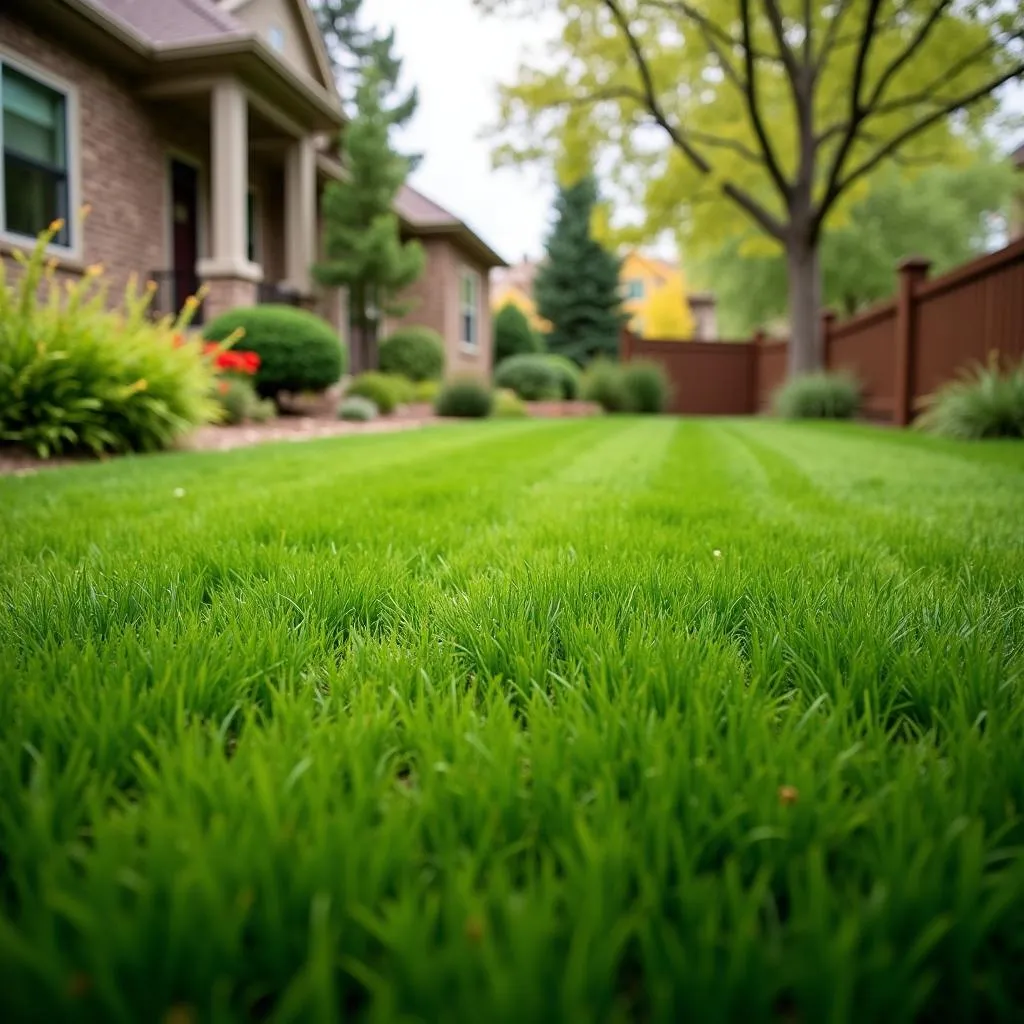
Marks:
<point>469,274</point>
<point>69,90</point>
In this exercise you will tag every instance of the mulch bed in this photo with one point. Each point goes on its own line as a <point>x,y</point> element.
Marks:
<point>19,462</point>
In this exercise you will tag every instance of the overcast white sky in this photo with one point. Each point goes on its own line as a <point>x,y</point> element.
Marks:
<point>456,57</point>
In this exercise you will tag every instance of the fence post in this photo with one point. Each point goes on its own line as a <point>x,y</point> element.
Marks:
<point>828,319</point>
<point>911,272</point>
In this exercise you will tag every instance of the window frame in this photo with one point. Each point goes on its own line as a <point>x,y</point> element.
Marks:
<point>638,282</point>
<point>468,274</point>
<point>72,250</point>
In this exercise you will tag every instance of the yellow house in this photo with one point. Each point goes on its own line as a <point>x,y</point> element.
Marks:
<point>654,297</point>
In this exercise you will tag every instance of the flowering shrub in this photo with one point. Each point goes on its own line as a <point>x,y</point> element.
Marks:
<point>77,375</point>
<point>232,360</point>
<point>235,390</point>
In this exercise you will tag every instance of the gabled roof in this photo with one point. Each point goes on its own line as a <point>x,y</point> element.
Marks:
<point>421,216</point>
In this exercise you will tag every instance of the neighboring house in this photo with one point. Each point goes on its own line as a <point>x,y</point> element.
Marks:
<point>1017,213</point>
<point>642,275</point>
<point>453,295</point>
<point>196,131</point>
<point>513,286</point>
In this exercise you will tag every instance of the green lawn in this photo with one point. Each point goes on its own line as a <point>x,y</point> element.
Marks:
<point>542,721</point>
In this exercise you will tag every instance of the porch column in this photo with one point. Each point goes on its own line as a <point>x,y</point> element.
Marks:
<point>300,214</point>
<point>228,274</point>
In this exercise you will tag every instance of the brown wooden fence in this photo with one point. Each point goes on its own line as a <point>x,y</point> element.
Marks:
<point>900,350</point>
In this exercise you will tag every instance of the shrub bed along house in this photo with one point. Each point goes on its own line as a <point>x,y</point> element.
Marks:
<point>416,353</point>
<point>76,376</point>
<point>513,335</point>
<point>384,390</point>
<point>357,409</point>
<point>298,351</point>
<point>568,373</point>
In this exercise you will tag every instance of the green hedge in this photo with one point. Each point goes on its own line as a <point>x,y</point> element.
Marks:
<point>416,353</point>
<point>384,390</point>
<point>818,396</point>
<point>467,398</point>
<point>569,375</point>
<point>298,351</point>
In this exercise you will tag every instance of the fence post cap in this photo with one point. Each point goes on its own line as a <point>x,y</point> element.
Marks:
<point>828,315</point>
<point>915,265</point>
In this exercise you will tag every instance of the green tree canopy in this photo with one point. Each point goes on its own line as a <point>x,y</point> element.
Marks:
<point>363,248</point>
<point>715,115</point>
<point>577,286</point>
<point>942,213</point>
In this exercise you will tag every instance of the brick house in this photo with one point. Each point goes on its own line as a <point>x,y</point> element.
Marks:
<point>199,132</point>
<point>453,295</point>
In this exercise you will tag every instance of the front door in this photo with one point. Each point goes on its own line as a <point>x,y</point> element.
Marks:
<point>185,231</point>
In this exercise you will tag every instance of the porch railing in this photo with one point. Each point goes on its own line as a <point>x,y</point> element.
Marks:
<point>173,287</point>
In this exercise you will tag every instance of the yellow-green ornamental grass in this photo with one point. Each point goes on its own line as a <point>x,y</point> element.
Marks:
<point>613,719</point>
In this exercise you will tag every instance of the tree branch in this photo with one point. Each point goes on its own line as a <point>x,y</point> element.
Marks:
<point>743,199</point>
<point>831,34</point>
<point>856,112</point>
<point>918,40</point>
<point>771,8</point>
<point>771,162</point>
<point>926,122</point>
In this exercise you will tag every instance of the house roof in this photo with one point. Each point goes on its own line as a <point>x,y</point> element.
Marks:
<point>421,216</point>
<point>161,22</point>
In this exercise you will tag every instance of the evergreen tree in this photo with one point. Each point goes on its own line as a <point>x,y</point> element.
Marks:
<point>513,334</point>
<point>577,287</point>
<point>362,244</point>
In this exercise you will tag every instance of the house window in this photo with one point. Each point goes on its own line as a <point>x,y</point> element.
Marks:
<point>635,289</point>
<point>469,309</point>
<point>34,138</point>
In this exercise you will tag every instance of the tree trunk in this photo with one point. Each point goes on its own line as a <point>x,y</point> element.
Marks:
<point>804,267</point>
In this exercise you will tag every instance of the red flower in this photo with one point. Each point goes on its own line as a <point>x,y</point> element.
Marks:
<point>230,361</point>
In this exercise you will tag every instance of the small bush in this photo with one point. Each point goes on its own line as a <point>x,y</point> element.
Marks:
<point>984,403</point>
<point>531,377</point>
<point>426,390</point>
<point>466,398</point>
<point>568,375</point>
<point>405,389</point>
<point>513,335</point>
<point>818,396</point>
<point>508,405</point>
<point>383,390</point>
<point>416,353</point>
<point>75,375</point>
<point>263,410</point>
<point>646,385</point>
<point>298,351</point>
<point>357,409</point>
<point>603,383</point>
<point>237,398</point>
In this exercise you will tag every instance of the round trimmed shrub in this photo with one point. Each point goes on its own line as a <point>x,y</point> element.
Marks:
<point>357,409</point>
<point>818,396</point>
<point>508,405</point>
<point>416,353</point>
<point>513,335</point>
<point>531,377</point>
<point>568,375</point>
<point>646,385</point>
<point>603,383</point>
<point>237,398</point>
<point>382,389</point>
<point>405,390</point>
<point>298,351</point>
<point>468,398</point>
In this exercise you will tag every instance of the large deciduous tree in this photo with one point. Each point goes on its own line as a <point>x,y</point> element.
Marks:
<point>577,286</point>
<point>363,250</point>
<point>774,110</point>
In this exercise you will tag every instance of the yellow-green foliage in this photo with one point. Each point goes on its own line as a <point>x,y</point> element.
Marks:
<point>75,375</point>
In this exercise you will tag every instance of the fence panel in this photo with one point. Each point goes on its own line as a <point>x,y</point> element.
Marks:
<point>771,371</point>
<point>866,347</point>
<point>709,378</point>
